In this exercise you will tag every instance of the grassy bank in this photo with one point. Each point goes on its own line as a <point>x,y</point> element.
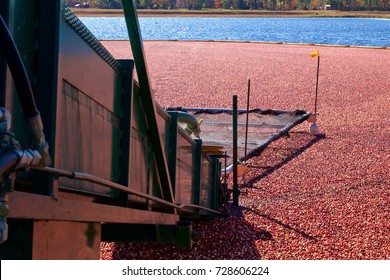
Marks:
<point>231,13</point>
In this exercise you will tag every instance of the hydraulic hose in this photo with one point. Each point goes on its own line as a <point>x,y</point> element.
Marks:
<point>241,169</point>
<point>25,93</point>
<point>8,161</point>
<point>15,64</point>
<point>227,170</point>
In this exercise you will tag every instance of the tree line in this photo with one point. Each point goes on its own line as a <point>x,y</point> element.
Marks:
<point>343,5</point>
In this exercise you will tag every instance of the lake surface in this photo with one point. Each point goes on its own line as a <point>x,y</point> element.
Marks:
<point>332,31</point>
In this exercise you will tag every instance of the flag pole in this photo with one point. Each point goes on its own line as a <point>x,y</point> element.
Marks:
<point>318,74</point>
<point>314,128</point>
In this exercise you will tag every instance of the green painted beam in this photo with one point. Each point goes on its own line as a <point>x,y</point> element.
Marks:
<point>236,191</point>
<point>147,97</point>
<point>46,80</point>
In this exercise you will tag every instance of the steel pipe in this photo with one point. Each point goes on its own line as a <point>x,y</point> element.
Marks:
<point>93,179</point>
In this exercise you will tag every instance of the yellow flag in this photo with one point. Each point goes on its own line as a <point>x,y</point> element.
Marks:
<point>315,53</point>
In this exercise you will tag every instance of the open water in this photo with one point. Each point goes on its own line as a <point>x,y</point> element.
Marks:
<point>331,31</point>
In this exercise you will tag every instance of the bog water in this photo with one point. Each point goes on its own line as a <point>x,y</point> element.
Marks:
<point>332,31</point>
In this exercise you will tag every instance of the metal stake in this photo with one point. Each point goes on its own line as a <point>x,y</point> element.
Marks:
<point>247,117</point>
<point>235,181</point>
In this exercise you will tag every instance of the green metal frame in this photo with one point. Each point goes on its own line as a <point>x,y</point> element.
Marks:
<point>128,89</point>
<point>48,39</point>
<point>197,161</point>
<point>147,97</point>
<point>171,147</point>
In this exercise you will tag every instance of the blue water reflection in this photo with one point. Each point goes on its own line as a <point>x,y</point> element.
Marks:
<point>333,31</point>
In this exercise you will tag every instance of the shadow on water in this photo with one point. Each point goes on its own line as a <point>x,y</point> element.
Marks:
<point>230,237</point>
<point>286,226</point>
<point>226,238</point>
<point>292,155</point>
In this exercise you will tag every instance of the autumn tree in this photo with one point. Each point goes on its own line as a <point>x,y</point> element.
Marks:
<point>380,5</point>
<point>293,4</point>
<point>107,4</point>
<point>314,5</point>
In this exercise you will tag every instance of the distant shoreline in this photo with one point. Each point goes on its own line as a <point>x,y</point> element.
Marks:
<point>231,13</point>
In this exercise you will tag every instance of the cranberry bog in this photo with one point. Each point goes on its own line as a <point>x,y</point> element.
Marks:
<point>305,196</point>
